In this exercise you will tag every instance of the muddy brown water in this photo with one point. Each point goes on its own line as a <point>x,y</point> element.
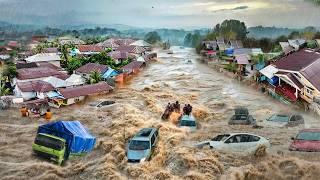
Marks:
<point>140,104</point>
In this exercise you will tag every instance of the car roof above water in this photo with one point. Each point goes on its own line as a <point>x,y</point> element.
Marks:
<point>144,134</point>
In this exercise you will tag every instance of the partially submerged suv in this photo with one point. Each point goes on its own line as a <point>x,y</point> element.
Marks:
<point>188,121</point>
<point>242,117</point>
<point>141,146</point>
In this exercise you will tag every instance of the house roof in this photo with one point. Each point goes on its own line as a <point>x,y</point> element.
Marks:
<point>108,44</point>
<point>90,48</point>
<point>39,72</point>
<point>48,65</point>
<point>35,86</point>
<point>51,50</point>
<point>26,65</point>
<point>13,44</point>
<point>119,55</point>
<point>256,51</point>
<point>241,51</point>
<point>269,71</point>
<point>133,65</point>
<point>286,48</point>
<point>55,82</point>
<point>85,90</point>
<point>131,49</point>
<point>297,60</point>
<point>312,73</point>
<point>43,57</point>
<point>92,67</point>
<point>75,80</point>
<point>292,79</point>
<point>242,59</point>
<point>141,43</point>
<point>236,44</point>
<point>124,42</point>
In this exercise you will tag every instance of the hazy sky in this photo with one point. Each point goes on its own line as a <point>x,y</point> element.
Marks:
<point>161,13</point>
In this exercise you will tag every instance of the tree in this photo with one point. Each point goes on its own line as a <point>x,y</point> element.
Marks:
<point>152,37</point>
<point>3,89</point>
<point>94,77</point>
<point>73,64</point>
<point>10,71</point>
<point>232,29</point>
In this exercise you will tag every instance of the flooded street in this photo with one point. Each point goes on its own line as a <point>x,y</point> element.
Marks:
<point>140,104</point>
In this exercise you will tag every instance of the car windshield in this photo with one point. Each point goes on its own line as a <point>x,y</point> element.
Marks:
<point>240,117</point>
<point>221,137</point>
<point>139,145</point>
<point>49,142</point>
<point>309,136</point>
<point>188,123</point>
<point>279,118</point>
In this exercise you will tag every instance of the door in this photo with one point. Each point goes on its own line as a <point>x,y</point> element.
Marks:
<point>233,144</point>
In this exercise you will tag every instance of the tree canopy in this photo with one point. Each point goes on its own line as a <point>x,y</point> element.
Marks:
<point>152,37</point>
<point>231,29</point>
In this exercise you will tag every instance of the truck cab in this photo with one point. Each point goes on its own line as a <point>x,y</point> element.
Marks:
<point>50,147</point>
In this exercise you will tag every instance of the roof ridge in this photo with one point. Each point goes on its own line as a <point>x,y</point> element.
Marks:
<point>310,64</point>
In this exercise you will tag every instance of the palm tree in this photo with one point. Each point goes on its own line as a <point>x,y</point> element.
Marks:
<point>95,77</point>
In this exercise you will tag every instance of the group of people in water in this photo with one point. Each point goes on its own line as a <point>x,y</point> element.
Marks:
<point>175,107</point>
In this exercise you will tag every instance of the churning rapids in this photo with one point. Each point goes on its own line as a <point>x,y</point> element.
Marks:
<point>140,104</point>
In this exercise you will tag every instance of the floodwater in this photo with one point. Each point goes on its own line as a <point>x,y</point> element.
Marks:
<point>140,104</point>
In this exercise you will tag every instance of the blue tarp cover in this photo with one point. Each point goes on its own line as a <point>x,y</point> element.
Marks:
<point>78,138</point>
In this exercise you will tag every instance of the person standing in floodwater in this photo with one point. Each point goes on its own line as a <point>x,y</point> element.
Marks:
<point>48,115</point>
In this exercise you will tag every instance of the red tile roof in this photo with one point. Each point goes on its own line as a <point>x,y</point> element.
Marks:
<point>35,86</point>
<point>131,49</point>
<point>133,65</point>
<point>39,72</point>
<point>298,60</point>
<point>90,48</point>
<point>85,90</point>
<point>92,67</point>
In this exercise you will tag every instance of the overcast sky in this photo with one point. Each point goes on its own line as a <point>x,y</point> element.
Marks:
<point>161,13</point>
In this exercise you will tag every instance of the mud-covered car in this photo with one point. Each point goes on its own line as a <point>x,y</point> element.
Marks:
<point>242,117</point>
<point>307,140</point>
<point>285,120</point>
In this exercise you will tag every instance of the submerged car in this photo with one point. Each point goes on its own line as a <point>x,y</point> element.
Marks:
<point>286,120</point>
<point>141,146</point>
<point>100,104</point>
<point>307,140</point>
<point>188,121</point>
<point>236,142</point>
<point>242,117</point>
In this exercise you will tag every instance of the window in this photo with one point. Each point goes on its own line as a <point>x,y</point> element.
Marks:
<point>234,139</point>
<point>156,133</point>
<point>153,138</point>
<point>254,139</point>
<point>309,91</point>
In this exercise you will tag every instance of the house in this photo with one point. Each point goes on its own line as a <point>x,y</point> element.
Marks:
<point>108,44</point>
<point>143,44</point>
<point>56,82</point>
<point>242,61</point>
<point>299,74</point>
<point>318,42</point>
<point>110,73</point>
<point>75,80</point>
<point>297,43</point>
<point>133,67</point>
<point>3,58</point>
<point>119,56</point>
<point>89,49</point>
<point>38,73</point>
<point>13,44</point>
<point>286,48</point>
<point>70,40</point>
<point>137,50</point>
<point>236,44</point>
<point>52,58</point>
<point>124,42</point>
<point>51,50</point>
<point>32,89</point>
<point>73,95</point>
<point>39,38</point>
<point>268,74</point>
<point>89,68</point>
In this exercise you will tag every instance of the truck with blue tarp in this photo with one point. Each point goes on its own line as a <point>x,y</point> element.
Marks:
<point>60,140</point>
